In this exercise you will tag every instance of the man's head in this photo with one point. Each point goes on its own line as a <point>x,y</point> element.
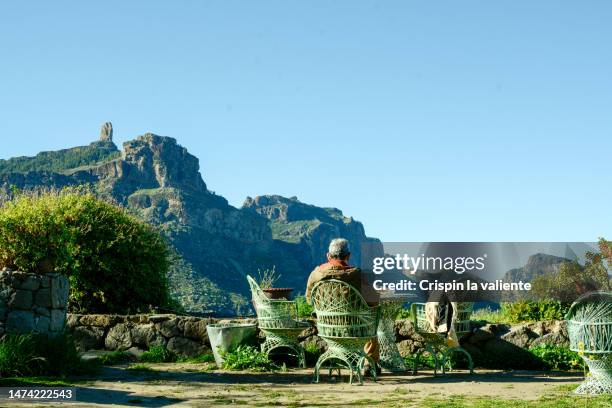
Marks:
<point>339,249</point>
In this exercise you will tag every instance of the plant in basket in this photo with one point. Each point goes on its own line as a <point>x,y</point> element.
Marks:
<point>267,279</point>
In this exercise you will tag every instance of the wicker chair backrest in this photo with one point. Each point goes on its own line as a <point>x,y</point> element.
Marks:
<point>342,312</point>
<point>589,323</point>
<point>462,323</point>
<point>271,313</point>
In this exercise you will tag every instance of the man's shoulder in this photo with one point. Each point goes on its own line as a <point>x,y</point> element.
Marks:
<point>322,272</point>
<point>333,267</point>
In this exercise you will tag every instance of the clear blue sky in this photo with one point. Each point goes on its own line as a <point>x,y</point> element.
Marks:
<point>447,120</point>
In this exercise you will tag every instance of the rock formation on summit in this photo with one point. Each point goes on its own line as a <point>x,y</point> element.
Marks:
<point>106,132</point>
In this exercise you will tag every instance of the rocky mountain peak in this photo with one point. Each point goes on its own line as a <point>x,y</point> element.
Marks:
<point>279,208</point>
<point>106,132</point>
<point>537,265</point>
<point>309,228</point>
<point>162,160</point>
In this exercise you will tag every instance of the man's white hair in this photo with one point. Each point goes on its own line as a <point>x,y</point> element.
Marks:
<point>339,248</point>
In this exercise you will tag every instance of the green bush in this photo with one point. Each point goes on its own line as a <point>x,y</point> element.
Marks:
<point>116,263</point>
<point>18,356</point>
<point>33,355</point>
<point>423,361</point>
<point>404,314</point>
<point>312,352</point>
<point>490,316</point>
<point>525,311</point>
<point>248,358</point>
<point>158,354</point>
<point>557,358</point>
<point>304,309</point>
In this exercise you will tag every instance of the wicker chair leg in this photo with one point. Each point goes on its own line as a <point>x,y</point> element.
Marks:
<point>371,363</point>
<point>345,358</point>
<point>415,362</point>
<point>434,354</point>
<point>327,355</point>
<point>273,342</point>
<point>600,379</point>
<point>446,358</point>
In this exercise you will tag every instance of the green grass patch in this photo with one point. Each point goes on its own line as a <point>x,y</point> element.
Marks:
<point>40,381</point>
<point>549,401</point>
<point>141,368</point>
<point>202,358</point>
<point>23,355</point>
<point>115,357</point>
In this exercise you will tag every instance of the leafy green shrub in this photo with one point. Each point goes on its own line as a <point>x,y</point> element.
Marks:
<point>557,358</point>
<point>574,279</point>
<point>312,352</point>
<point>404,314</point>
<point>18,356</point>
<point>312,348</point>
<point>116,263</point>
<point>158,354</point>
<point>525,311</point>
<point>490,316</point>
<point>30,354</point>
<point>248,358</point>
<point>304,309</point>
<point>422,361</point>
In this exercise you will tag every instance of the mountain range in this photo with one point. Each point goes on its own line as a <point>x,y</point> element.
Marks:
<point>216,244</point>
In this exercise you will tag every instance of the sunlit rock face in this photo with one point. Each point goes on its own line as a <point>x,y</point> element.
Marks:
<point>217,244</point>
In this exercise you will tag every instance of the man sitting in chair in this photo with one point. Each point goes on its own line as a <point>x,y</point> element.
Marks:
<point>337,267</point>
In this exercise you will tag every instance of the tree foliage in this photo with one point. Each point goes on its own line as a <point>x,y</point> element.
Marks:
<point>574,279</point>
<point>115,263</point>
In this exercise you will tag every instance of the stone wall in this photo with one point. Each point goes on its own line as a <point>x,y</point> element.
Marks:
<point>491,345</point>
<point>32,303</point>
<point>183,335</point>
<point>495,345</point>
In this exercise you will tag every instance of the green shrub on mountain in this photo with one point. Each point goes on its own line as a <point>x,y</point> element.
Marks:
<point>116,263</point>
<point>62,159</point>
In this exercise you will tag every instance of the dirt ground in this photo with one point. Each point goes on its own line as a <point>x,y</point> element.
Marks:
<point>188,385</point>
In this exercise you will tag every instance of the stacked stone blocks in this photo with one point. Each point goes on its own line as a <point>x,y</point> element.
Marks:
<point>32,302</point>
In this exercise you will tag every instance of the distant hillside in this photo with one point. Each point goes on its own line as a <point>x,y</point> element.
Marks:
<point>217,244</point>
<point>537,265</point>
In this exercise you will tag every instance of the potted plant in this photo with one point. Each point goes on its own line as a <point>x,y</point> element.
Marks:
<point>267,279</point>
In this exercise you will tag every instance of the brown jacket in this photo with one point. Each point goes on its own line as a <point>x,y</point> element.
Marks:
<point>340,270</point>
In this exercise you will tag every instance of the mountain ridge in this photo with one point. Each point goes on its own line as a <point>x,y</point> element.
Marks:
<point>217,244</point>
